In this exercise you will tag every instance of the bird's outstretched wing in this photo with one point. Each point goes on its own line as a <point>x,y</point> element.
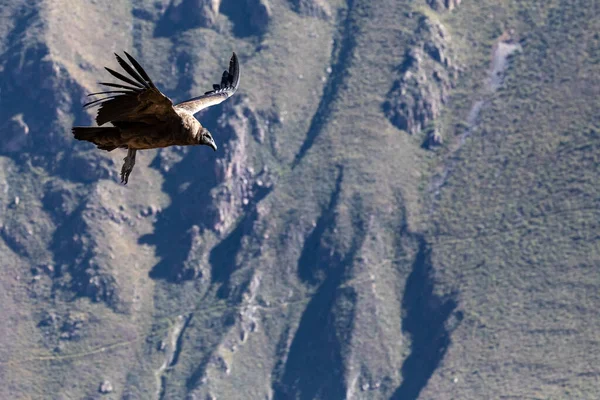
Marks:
<point>229,84</point>
<point>136,99</point>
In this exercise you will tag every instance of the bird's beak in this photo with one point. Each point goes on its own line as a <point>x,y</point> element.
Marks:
<point>213,145</point>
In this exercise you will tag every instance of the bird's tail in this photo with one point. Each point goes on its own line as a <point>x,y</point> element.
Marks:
<point>105,138</point>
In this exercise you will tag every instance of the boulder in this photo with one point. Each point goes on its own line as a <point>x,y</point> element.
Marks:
<point>105,387</point>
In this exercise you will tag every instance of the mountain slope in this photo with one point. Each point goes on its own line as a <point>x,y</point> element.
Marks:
<point>402,205</point>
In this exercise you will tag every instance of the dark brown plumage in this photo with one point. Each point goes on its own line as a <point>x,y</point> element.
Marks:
<point>144,118</point>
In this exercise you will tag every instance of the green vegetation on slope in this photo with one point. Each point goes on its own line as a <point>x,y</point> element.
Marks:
<point>323,252</point>
<point>515,227</point>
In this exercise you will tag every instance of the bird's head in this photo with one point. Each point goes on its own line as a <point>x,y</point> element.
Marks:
<point>205,138</point>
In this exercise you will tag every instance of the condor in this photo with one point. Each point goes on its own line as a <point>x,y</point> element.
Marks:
<point>142,117</point>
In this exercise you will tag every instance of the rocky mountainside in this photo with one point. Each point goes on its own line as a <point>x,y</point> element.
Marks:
<point>404,204</point>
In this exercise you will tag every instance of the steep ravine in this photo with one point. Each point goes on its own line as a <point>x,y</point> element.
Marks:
<point>426,315</point>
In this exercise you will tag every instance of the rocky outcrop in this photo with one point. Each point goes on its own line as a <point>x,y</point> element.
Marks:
<point>187,14</point>
<point>105,387</point>
<point>426,77</point>
<point>100,286</point>
<point>312,8</point>
<point>434,139</point>
<point>73,325</point>
<point>57,328</point>
<point>239,179</point>
<point>248,315</point>
<point>249,17</point>
<point>440,5</point>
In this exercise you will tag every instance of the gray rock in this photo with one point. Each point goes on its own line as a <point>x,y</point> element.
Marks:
<point>434,138</point>
<point>105,387</point>
<point>427,75</point>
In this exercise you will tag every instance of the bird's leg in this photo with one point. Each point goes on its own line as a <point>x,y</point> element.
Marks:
<point>128,166</point>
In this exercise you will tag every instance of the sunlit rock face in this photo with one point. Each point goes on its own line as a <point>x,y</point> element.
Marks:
<point>427,75</point>
<point>193,13</point>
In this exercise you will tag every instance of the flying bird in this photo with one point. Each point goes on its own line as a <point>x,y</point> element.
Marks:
<point>142,117</point>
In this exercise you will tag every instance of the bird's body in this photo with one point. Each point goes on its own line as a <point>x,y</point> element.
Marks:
<point>144,118</point>
<point>180,131</point>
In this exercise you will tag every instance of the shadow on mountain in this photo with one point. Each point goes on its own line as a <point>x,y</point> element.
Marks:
<point>425,318</point>
<point>248,17</point>
<point>188,182</point>
<point>315,363</point>
<point>174,230</point>
<point>341,56</point>
<point>194,379</point>
<point>314,256</point>
<point>223,256</point>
